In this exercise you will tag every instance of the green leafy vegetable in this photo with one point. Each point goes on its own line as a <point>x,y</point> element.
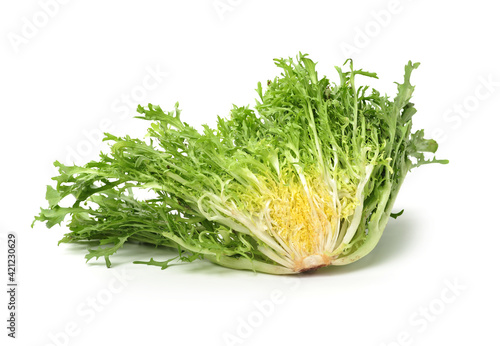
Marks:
<point>307,179</point>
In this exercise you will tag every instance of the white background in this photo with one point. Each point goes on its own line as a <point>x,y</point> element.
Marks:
<point>64,76</point>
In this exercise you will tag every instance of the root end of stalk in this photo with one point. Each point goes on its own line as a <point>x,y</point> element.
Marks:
<point>312,262</point>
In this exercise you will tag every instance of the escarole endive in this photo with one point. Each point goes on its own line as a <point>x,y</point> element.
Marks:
<point>307,179</point>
